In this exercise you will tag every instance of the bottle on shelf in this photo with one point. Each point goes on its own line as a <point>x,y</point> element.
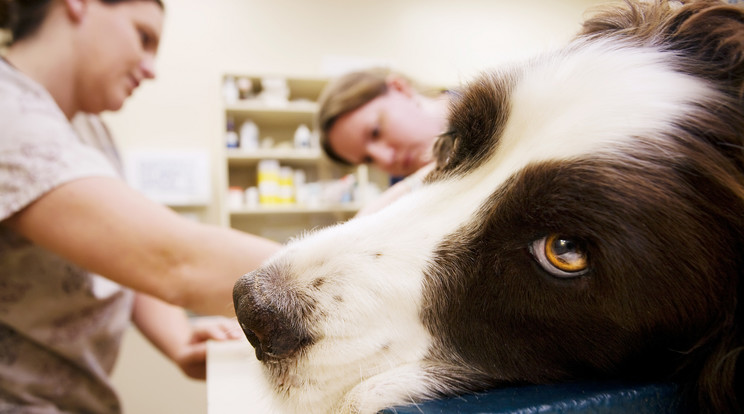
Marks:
<point>251,197</point>
<point>286,187</point>
<point>302,137</point>
<point>268,182</point>
<point>232,140</point>
<point>249,136</point>
<point>234,197</point>
<point>245,88</point>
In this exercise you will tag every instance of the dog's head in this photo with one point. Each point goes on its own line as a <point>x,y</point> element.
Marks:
<point>585,221</point>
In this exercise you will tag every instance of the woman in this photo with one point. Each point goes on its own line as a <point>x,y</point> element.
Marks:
<point>379,117</point>
<point>67,217</point>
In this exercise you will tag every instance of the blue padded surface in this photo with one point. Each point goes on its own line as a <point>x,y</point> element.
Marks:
<point>585,398</point>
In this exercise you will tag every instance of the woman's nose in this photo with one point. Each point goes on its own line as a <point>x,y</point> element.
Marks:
<point>382,154</point>
<point>147,65</point>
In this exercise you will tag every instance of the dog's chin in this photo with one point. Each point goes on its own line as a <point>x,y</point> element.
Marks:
<point>315,381</point>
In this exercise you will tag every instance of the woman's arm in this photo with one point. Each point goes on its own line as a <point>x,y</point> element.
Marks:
<point>107,227</point>
<point>184,341</point>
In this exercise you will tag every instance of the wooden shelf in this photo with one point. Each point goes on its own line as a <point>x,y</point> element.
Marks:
<point>294,209</point>
<point>239,157</point>
<point>257,105</point>
<point>261,113</point>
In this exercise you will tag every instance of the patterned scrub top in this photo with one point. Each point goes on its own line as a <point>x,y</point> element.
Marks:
<point>60,325</point>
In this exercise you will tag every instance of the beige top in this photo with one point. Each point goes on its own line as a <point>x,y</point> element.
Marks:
<point>60,326</point>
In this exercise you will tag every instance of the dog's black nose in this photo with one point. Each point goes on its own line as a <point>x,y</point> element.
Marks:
<point>274,333</point>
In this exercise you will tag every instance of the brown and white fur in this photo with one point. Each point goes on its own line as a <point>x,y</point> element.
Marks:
<point>585,221</point>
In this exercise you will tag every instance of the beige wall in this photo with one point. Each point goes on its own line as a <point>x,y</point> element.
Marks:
<point>437,41</point>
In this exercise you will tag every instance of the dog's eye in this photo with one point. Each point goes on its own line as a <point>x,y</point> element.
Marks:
<point>560,256</point>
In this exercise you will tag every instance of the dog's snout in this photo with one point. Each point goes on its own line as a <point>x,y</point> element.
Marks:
<point>272,329</point>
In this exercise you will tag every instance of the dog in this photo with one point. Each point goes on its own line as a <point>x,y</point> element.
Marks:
<point>584,221</point>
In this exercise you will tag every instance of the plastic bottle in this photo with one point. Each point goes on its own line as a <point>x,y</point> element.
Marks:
<point>234,197</point>
<point>286,188</point>
<point>249,135</point>
<point>231,137</point>
<point>251,197</point>
<point>300,191</point>
<point>245,88</point>
<point>268,182</point>
<point>302,137</point>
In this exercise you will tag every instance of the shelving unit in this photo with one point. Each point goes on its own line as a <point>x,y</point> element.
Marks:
<point>349,208</point>
<point>277,123</point>
<point>236,157</point>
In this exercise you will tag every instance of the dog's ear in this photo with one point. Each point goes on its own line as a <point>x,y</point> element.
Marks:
<point>712,33</point>
<point>444,146</point>
<point>709,33</point>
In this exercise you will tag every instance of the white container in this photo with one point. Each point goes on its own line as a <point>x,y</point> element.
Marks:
<point>234,198</point>
<point>302,137</point>
<point>275,91</point>
<point>268,182</point>
<point>286,188</point>
<point>249,136</point>
<point>299,177</point>
<point>245,88</point>
<point>251,197</point>
<point>232,140</point>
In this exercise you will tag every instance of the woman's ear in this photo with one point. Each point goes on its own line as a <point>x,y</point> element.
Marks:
<point>76,9</point>
<point>400,84</point>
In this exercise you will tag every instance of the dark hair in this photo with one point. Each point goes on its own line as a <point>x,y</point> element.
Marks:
<point>22,17</point>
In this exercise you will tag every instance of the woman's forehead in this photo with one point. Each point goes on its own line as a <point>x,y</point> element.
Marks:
<point>144,12</point>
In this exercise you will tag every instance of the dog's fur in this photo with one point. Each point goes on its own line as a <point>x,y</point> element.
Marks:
<point>627,145</point>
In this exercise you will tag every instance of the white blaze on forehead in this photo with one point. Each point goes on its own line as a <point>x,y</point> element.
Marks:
<point>592,99</point>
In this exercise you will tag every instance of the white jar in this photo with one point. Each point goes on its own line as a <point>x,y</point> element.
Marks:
<point>249,135</point>
<point>302,137</point>
<point>234,198</point>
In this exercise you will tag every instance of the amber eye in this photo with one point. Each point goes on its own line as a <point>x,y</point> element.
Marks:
<point>561,256</point>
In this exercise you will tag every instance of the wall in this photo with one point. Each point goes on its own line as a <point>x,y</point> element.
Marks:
<point>437,41</point>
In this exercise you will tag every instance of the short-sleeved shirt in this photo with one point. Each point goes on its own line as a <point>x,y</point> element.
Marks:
<point>60,325</point>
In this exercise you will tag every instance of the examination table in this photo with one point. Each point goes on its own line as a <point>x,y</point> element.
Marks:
<point>232,365</point>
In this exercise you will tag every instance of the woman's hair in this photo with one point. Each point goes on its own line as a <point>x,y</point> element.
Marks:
<point>345,94</point>
<point>23,17</point>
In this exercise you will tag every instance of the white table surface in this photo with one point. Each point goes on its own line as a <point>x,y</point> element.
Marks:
<point>234,380</point>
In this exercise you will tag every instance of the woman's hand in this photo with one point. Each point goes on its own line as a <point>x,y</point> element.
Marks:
<point>192,357</point>
<point>182,339</point>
